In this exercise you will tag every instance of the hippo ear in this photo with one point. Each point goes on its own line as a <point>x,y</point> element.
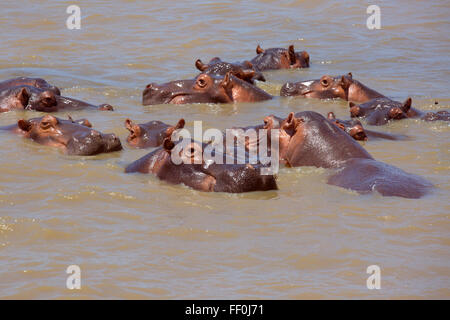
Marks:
<point>305,56</point>
<point>354,109</point>
<point>291,52</point>
<point>331,115</point>
<point>259,50</point>
<point>346,82</point>
<point>350,76</point>
<point>268,122</point>
<point>289,121</point>
<point>226,82</point>
<point>168,144</point>
<point>200,65</point>
<point>129,124</point>
<point>24,125</point>
<point>23,96</point>
<point>407,105</point>
<point>179,125</point>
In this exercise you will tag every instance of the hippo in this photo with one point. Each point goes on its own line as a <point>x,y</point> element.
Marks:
<point>380,111</point>
<point>205,88</point>
<point>314,141</point>
<point>66,103</point>
<point>355,129</point>
<point>150,134</point>
<point>243,70</point>
<point>73,137</point>
<point>231,178</point>
<point>33,82</point>
<point>327,87</point>
<point>26,97</point>
<point>279,58</point>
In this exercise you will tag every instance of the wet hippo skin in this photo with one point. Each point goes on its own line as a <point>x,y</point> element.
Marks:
<point>356,130</point>
<point>380,111</point>
<point>328,87</point>
<point>314,141</point>
<point>279,58</point>
<point>73,137</point>
<point>231,178</point>
<point>205,88</point>
<point>243,70</point>
<point>150,134</point>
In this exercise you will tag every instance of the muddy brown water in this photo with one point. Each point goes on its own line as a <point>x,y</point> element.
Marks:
<point>136,237</point>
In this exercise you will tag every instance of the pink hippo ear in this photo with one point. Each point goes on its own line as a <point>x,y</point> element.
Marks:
<point>407,105</point>
<point>24,125</point>
<point>179,125</point>
<point>135,130</point>
<point>200,65</point>
<point>331,115</point>
<point>259,49</point>
<point>226,82</point>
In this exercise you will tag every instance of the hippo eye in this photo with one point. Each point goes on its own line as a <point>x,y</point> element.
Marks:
<point>324,82</point>
<point>201,83</point>
<point>45,125</point>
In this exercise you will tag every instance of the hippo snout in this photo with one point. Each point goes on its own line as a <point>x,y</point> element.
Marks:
<point>93,143</point>
<point>112,142</point>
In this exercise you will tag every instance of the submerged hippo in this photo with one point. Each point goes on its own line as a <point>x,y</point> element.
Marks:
<point>380,111</point>
<point>26,97</point>
<point>73,137</point>
<point>33,82</point>
<point>243,70</point>
<point>314,141</point>
<point>327,87</point>
<point>150,134</point>
<point>355,129</point>
<point>279,58</point>
<point>232,178</point>
<point>204,88</point>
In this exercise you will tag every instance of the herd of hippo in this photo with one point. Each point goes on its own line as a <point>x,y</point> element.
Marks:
<point>305,138</point>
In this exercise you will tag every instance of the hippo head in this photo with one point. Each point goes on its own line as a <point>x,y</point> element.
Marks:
<point>218,67</point>
<point>195,173</point>
<point>31,98</point>
<point>74,137</point>
<point>204,88</point>
<point>326,87</point>
<point>379,111</point>
<point>353,127</point>
<point>280,58</point>
<point>42,84</point>
<point>309,139</point>
<point>42,100</point>
<point>150,134</point>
